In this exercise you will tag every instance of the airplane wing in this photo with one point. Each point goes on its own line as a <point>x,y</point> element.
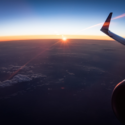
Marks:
<point>105,29</point>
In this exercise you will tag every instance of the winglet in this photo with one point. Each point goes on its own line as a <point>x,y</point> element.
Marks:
<point>105,26</point>
<point>105,29</point>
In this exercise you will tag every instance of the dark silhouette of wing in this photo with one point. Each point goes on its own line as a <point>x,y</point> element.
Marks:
<point>105,29</point>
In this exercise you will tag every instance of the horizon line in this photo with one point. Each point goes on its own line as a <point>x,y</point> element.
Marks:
<point>31,37</point>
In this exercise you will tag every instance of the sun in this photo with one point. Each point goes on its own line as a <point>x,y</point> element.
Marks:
<point>64,38</point>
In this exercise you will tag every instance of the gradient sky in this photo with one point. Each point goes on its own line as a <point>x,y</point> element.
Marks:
<point>35,17</point>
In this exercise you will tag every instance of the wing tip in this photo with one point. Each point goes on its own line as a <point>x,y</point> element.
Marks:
<point>107,22</point>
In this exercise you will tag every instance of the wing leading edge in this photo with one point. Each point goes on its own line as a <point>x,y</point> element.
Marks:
<point>105,29</point>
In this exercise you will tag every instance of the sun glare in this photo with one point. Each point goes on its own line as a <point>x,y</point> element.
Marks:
<point>64,38</point>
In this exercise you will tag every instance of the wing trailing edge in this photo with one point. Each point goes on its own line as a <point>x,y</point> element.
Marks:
<point>105,29</point>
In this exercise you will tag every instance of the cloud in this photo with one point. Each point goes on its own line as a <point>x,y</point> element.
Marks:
<point>16,79</point>
<point>70,73</point>
<point>26,74</point>
<point>20,78</point>
<point>12,69</point>
<point>34,76</point>
<point>15,68</point>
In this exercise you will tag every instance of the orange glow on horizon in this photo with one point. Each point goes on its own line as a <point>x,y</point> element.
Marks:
<point>12,38</point>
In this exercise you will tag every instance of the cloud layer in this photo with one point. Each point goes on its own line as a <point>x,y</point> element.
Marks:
<point>25,75</point>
